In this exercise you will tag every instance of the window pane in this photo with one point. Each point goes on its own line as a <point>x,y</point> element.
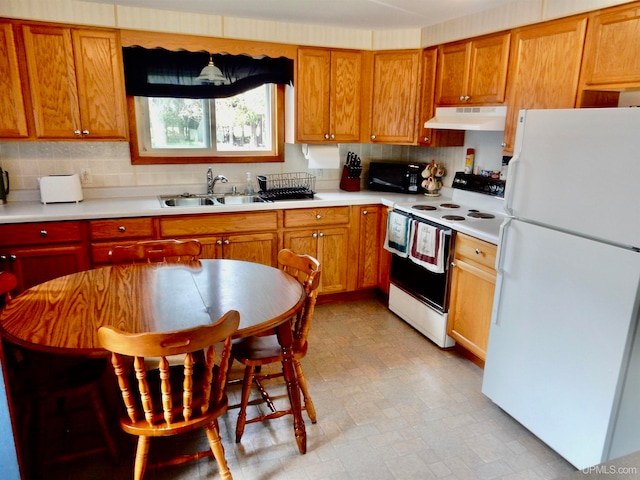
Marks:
<point>243,122</point>
<point>178,123</point>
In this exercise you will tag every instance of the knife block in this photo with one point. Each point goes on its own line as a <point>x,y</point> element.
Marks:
<point>349,184</point>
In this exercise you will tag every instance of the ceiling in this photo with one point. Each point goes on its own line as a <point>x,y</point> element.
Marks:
<point>359,14</point>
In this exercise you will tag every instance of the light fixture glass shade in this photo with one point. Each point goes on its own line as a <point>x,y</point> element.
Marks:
<point>211,74</point>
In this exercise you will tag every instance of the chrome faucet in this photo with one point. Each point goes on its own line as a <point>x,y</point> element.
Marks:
<point>211,181</point>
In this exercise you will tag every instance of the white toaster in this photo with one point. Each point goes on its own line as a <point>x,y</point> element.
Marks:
<point>60,189</point>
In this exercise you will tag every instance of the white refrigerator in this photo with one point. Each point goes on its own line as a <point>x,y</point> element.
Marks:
<point>564,347</point>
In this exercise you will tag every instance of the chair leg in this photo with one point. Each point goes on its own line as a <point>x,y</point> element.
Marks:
<point>246,390</point>
<point>213,435</point>
<point>95,396</point>
<point>302,382</point>
<point>142,454</point>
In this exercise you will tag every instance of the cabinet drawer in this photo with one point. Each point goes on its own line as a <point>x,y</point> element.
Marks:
<point>215,224</point>
<point>313,217</point>
<point>475,250</point>
<point>121,228</point>
<point>40,233</point>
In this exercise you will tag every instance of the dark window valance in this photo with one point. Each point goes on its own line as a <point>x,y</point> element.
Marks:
<point>158,72</point>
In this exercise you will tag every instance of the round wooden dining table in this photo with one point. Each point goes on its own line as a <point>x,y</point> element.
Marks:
<point>63,315</point>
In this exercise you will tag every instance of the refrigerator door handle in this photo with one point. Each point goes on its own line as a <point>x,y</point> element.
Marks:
<point>510,187</point>
<point>495,311</point>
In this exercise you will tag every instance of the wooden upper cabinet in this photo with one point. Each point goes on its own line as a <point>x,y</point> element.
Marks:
<point>13,120</point>
<point>76,82</point>
<point>473,71</point>
<point>431,137</point>
<point>394,101</point>
<point>544,69</point>
<point>328,95</point>
<point>611,50</point>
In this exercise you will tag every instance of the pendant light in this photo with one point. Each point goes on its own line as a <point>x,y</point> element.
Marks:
<point>211,74</point>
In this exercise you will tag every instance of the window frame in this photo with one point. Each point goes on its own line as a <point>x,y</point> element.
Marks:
<point>149,159</point>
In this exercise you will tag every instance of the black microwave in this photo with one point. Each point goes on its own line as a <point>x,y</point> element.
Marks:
<point>395,177</point>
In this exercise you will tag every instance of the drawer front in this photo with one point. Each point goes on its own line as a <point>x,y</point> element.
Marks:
<point>475,250</point>
<point>40,233</point>
<point>313,217</point>
<point>215,224</point>
<point>121,228</point>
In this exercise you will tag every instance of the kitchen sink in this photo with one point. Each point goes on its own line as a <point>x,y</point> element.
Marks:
<point>195,200</point>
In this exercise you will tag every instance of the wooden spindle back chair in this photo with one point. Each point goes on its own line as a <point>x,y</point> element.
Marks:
<point>170,251</point>
<point>255,352</point>
<point>173,399</point>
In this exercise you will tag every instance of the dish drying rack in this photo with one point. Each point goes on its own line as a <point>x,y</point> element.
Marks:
<point>286,186</point>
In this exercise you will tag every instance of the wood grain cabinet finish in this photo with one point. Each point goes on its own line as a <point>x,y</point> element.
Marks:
<point>13,117</point>
<point>369,244</point>
<point>433,137</point>
<point>324,234</point>
<point>248,236</point>
<point>395,96</point>
<point>473,72</point>
<point>37,252</point>
<point>544,69</point>
<point>472,288</point>
<point>76,82</point>
<point>328,95</point>
<point>611,56</point>
<point>105,234</point>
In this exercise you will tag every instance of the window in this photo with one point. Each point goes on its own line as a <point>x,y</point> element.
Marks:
<point>177,116</point>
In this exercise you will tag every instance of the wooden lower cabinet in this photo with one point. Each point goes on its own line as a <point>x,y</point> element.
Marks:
<point>472,287</point>
<point>105,234</point>
<point>369,227</point>
<point>37,252</point>
<point>330,246</point>
<point>253,247</point>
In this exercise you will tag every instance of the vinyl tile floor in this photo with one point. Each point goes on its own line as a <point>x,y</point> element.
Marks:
<point>390,404</point>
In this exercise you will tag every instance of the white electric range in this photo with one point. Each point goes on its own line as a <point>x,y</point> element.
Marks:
<point>419,296</point>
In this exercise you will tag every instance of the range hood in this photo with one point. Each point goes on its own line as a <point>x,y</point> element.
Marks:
<point>469,118</point>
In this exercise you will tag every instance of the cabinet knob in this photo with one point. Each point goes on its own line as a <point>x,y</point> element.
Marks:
<point>3,258</point>
<point>503,144</point>
<point>453,264</point>
<point>326,136</point>
<point>77,133</point>
<point>218,242</point>
<point>425,139</point>
<point>315,235</point>
<point>466,98</point>
<point>121,228</point>
<point>365,212</point>
<point>13,258</point>
<point>321,234</point>
<point>478,251</point>
<point>333,137</point>
<point>462,98</point>
<point>43,233</point>
<point>373,137</point>
<point>318,216</point>
<point>85,132</point>
<point>226,242</point>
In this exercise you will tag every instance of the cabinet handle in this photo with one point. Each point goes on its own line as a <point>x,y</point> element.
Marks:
<point>318,216</point>
<point>13,258</point>
<point>3,258</point>
<point>76,133</point>
<point>373,137</point>
<point>315,235</point>
<point>333,137</point>
<point>453,264</point>
<point>121,228</point>
<point>85,132</point>
<point>326,136</point>
<point>43,233</point>
<point>462,98</point>
<point>425,139</point>
<point>321,234</point>
<point>226,242</point>
<point>466,98</point>
<point>218,242</point>
<point>365,212</point>
<point>478,251</point>
<point>503,144</point>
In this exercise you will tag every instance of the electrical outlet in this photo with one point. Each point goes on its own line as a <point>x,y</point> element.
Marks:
<point>85,176</point>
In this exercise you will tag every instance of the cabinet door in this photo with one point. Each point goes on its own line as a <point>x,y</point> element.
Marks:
<point>35,265</point>
<point>368,245</point>
<point>13,119</point>
<point>52,81</point>
<point>333,254</point>
<point>100,83</point>
<point>258,248</point>
<point>488,62</point>
<point>312,95</point>
<point>453,65</point>
<point>544,69</point>
<point>432,137</point>
<point>609,56</point>
<point>394,100</point>
<point>346,74</point>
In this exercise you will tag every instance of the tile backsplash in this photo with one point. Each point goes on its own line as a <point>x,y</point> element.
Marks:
<point>108,164</point>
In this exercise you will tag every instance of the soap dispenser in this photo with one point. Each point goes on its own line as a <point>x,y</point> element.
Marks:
<point>249,188</point>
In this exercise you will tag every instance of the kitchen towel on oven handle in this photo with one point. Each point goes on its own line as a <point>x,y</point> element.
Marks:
<point>398,234</point>
<point>427,246</point>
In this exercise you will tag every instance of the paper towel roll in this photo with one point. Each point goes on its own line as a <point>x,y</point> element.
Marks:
<point>322,156</point>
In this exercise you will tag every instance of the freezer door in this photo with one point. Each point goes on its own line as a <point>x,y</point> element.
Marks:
<point>578,170</point>
<point>560,336</point>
